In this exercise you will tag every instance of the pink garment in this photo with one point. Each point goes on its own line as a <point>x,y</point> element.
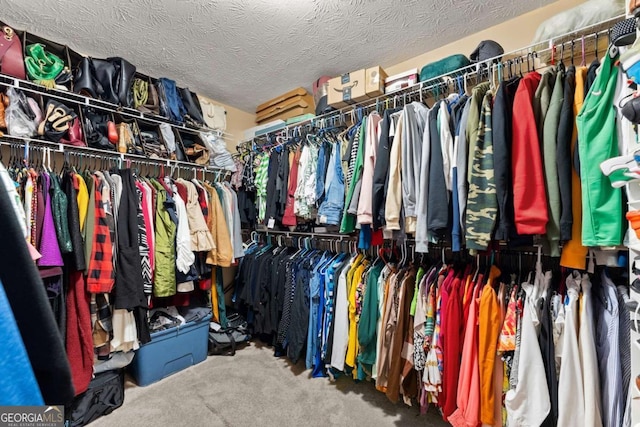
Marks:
<point>365,203</point>
<point>468,399</point>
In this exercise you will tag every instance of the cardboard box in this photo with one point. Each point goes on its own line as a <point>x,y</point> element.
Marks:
<point>375,79</point>
<point>347,89</point>
<point>290,104</point>
<point>401,81</point>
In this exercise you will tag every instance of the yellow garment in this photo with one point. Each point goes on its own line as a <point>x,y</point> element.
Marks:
<point>222,253</point>
<point>214,296</point>
<point>574,255</point>
<point>354,266</point>
<point>352,349</point>
<point>83,199</point>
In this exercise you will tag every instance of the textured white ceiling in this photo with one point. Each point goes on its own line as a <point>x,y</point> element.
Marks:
<point>245,52</point>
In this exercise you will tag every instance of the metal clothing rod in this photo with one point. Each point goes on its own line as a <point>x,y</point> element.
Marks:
<point>306,234</point>
<point>32,143</point>
<point>586,32</point>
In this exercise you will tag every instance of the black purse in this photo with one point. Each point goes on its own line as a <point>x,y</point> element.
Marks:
<point>96,129</point>
<point>108,79</point>
<point>194,114</point>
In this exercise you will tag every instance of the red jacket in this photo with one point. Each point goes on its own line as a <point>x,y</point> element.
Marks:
<point>529,193</point>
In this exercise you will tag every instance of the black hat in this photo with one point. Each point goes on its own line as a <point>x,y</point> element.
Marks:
<point>486,50</point>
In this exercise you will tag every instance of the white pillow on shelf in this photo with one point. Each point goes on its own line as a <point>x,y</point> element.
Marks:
<point>589,13</point>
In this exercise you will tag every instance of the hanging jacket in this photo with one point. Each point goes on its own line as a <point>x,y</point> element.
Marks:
<point>438,200</point>
<point>289,217</point>
<point>563,153</point>
<point>348,223</point>
<point>393,203</point>
<point>381,170</point>
<point>365,203</point>
<point>598,136</point>
<point>574,255</point>
<point>422,196</point>
<point>482,203</point>
<point>165,253</point>
<point>101,276</point>
<point>529,194</point>
<point>222,254</point>
<point>502,142</point>
<point>415,115</point>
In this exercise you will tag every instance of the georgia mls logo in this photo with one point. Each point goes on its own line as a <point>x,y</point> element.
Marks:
<point>31,416</point>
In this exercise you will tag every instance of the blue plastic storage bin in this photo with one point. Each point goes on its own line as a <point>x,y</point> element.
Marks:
<point>171,351</point>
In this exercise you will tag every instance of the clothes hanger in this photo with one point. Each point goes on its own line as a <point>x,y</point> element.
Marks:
<point>572,52</point>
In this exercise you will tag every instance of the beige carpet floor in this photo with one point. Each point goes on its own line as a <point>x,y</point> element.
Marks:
<point>254,388</point>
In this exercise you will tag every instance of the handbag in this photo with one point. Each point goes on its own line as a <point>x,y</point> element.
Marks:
<point>4,103</point>
<point>11,57</point>
<point>74,135</point>
<point>127,142</point>
<point>84,80</point>
<point>123,80</point>
<point>194,115</point>
<point>214,115</point>
<point>171,105</point>
<point>152,103</point>
<point>96,128</point>
<point>20,116</point>
<point>42,67</point>
<point>140,89</point>
<point>152,145</point>
<point>57,119</point>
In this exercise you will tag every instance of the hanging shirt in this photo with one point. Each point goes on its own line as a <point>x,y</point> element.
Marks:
<point>608,350</point>
<point>522,408</point>
<point>261,185</point>
<point>589,358</point>
<point>570,382</point>
<point>184,252</point>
